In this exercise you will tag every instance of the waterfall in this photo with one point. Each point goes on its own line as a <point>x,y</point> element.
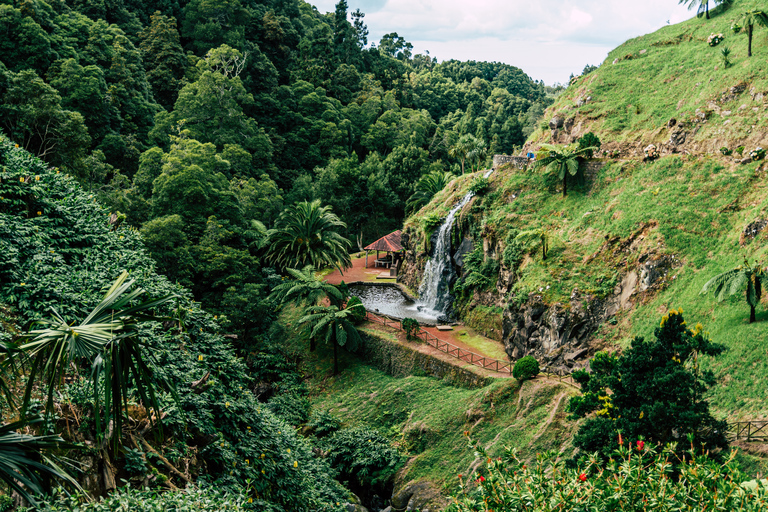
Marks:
<point>434,292</point>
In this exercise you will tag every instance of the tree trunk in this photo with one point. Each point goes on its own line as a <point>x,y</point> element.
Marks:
<point>751,314</point>
<point>565,178</point>
<point>749,40</point>
<point>462,166</point>
<point>707,7</point>
<point>336,359</point>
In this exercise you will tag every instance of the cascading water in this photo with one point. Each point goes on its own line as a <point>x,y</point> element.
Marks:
<point>434,292</point>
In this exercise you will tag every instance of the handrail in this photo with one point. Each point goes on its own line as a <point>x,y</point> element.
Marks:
<point>448,348</point>
<point>749,430</point>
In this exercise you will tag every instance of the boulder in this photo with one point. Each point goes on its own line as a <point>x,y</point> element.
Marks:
<point>555,123</point>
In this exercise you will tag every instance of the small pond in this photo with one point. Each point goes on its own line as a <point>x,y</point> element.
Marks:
<point>389,300</point>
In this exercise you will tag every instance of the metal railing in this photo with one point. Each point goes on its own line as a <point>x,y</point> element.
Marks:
<point>450,349</point>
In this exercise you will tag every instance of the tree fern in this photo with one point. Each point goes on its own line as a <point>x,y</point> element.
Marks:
<point>732,281</point>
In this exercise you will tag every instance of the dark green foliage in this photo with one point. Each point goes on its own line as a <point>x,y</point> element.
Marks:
<point>525,368</point>
<point>590,143</point>
<point>479,186</point>
<point>291,407</point>
<point>429,185</point>
<point>323,424</point>
<point>514,251</point>
<point>308,234</point>
<point>411,327</point>
<point>357,308</point>
<point>362,456</point>
<point>654,390</point>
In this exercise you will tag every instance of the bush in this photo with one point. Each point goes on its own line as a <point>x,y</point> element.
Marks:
<point>526,368</point>
<point>324,423</point>
<point>362,456</point>
<point>358,313</point>
<point>589,140</point>
<point>638,477</point>
<point>291,407</point>
<point>479,186</point>
<point>411,327</point>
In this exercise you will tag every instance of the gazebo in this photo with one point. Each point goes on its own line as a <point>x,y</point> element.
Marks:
<point>389,244</point>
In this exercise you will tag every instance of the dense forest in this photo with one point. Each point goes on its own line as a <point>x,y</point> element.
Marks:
<point>195,119</point>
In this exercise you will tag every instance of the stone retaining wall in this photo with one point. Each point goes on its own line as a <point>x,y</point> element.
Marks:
<point>401,361</point>
<point>520,162</point>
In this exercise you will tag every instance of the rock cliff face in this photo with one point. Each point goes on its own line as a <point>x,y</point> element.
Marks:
<point>559,335</point>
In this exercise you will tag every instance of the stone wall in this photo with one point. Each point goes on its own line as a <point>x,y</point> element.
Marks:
<point>401,361</point>
<point>519,162</point>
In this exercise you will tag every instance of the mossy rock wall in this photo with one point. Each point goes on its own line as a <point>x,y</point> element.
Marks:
<point>401,361</point>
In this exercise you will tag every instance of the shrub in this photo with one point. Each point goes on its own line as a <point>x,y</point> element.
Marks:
<point>739,150</point>
<point>411,327</point>
<point>757,154</point>
<point>715,39</point>
<point>526,368</point>
<point>291,407</point>
<point>589,140</point>
<point>358,313</point>
<point>362,455</point>
<point>479,186</point>
<point>324,423</point>
<point>651,152</point>
<point>638,477</point>
<point>725,151</point>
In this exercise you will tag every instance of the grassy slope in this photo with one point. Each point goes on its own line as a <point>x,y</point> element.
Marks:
<point>696,205</point>
<point>677,74</point>
<point>684,199</point>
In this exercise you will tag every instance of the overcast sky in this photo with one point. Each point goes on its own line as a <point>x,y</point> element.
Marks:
<point>548,39</point>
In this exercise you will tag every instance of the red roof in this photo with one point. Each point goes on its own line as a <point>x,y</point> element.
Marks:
<point>391,243</point>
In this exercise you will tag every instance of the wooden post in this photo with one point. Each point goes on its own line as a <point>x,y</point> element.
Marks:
<point>366,259</point>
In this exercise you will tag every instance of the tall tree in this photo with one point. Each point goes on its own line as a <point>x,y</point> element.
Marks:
<point>308,234</point>
<point>163,57</point>
<point>732,281</point>
<point>462,148</point>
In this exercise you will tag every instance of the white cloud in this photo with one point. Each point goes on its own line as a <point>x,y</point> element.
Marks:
<point>548,39</point>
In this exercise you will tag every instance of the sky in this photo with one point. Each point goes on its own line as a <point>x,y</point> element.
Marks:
<point>548,39</point>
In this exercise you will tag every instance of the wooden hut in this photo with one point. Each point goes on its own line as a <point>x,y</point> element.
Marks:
<point>389,244</point>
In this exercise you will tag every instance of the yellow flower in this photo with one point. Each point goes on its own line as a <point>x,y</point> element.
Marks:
<point>250,500</point>
<point>37,177</point>
<point>17,145</point>
<point>21,179</point>
<point>642,414</point>
<point>262,472</point>
<point>263,455</point>
<point>200,357</point>
<point>247,461</point>
<point>226,403</point>
<point>39,212</point>
<point>295,463</point>
<point>23,284</point>
<point>289,450</point>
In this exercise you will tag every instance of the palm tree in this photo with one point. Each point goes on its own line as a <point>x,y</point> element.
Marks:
<point>307,234</point>
<point>477,154</point>
<point>561,159</point>
<point>306,287</point>
<point>462,148</point>
<point>702,4</point>
<point>107,341</point>
<point>426,188</point>
<point>335,325</point>
<point>730,282</point>
<point>748,20</point>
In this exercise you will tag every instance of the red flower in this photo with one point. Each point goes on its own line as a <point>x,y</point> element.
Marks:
<point>621,441</point>
<point>460,475</point>
<point>640,445</point>
<point>583,477</point>
<point>481,479</point>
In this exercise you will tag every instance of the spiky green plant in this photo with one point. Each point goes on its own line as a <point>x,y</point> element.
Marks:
<point>335,325</point>
<point>307,234</point>
<point>306,287</point>
<point>426,188</point>
<point>106,342</point>
<point>725,54</point>
<point>731,282</point>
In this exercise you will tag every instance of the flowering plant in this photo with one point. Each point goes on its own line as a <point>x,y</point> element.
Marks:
<point>726,151</point>
<point>715,39</point>
<point>736,28</point>
<point>757,154</point>
<point>652,478</point>
<point>651,152</point>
